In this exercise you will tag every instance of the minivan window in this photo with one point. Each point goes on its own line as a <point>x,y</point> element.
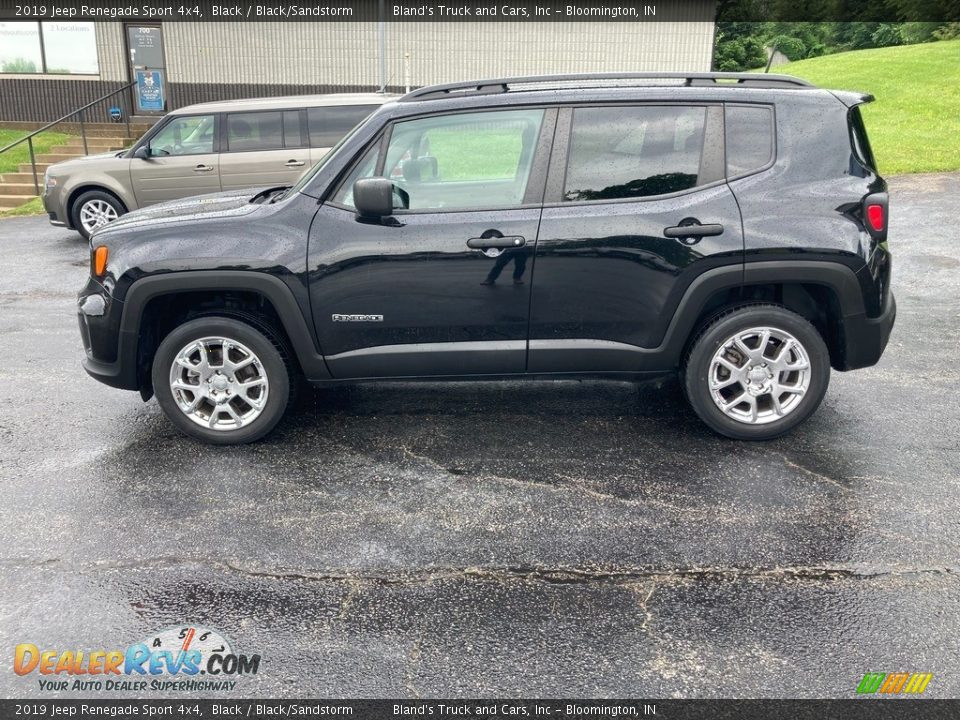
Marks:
<point>749,142</point>
<point>330,123</point>
<point>185,135</point>
<point>460,161</point>
<point>255,131</point>
<point>630,152</point>
<point>292,136</point>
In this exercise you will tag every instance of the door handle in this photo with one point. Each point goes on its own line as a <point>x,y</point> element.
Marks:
<point>503,242</point>
<point>294,163</point>
<point>690,231</point>
<point>203,168</point>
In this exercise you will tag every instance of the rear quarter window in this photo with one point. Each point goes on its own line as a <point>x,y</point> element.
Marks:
<point>749,133</point>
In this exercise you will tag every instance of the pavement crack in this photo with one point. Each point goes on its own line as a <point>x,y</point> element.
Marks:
<point>812,473</point>
<point>546,575</point>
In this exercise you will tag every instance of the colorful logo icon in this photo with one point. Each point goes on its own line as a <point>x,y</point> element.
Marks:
<point>894,683</point>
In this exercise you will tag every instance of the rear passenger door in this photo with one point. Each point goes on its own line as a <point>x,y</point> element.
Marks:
<point>636,207</point>
<point>262,148</point>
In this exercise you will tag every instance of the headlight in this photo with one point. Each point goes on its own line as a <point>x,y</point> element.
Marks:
<point>49,182</point>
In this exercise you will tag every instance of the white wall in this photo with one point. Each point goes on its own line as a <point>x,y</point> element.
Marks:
<point>346,53</point>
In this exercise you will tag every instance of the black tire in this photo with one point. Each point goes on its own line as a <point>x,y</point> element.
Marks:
<point>695,369</point>
<point>93,195</point>
<point>274,361</point>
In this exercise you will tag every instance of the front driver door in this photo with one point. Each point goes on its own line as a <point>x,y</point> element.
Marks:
<point>183,161</point>
<point>430,291</point>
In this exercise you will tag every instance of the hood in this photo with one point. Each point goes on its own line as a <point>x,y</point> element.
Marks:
<point>112,154</point>
<point>229,204</point>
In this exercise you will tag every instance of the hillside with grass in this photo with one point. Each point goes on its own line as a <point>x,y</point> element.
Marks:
<point>914,124</point>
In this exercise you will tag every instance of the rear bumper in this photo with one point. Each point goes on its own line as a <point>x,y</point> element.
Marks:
<point>866,338</point>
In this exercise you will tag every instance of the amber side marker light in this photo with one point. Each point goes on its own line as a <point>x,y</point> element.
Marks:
<point>100,260</point>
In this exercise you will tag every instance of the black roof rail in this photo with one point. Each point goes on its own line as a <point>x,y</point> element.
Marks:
<point>503,85</point>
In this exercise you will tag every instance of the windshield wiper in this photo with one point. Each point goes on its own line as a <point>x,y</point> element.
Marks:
<point>269,194</point>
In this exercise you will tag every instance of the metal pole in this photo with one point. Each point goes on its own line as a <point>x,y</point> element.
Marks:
<point>381,50</point>
<point>125,95</point>
<point>773,51</point>
<point>83,133</point>
<point>33,165</point>
<point>406,72</point>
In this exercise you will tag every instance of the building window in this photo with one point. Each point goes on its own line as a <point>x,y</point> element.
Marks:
<point>54,48</point>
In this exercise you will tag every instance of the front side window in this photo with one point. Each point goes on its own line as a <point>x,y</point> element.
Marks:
<point>462,161</point>
<point>188,135</point>
<point>330,123</point>
<point>632,152</point>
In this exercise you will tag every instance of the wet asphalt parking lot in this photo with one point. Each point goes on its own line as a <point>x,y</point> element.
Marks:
<point>544,539</point>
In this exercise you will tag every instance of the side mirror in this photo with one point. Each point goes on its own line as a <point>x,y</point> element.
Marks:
<point>373,197</point>
<point>142,152</point>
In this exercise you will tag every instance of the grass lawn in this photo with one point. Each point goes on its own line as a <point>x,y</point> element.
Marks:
<point>34,206</point>
<point>914,124</point>
<point>10,160</point>
<point>21,154</point>
<point>485,153</point>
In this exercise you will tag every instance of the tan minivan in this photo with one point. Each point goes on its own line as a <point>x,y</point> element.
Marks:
<point>201,149</point>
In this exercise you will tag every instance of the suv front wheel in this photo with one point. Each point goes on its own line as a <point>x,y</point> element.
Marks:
<point>756,372</point>
<point>222,380</point>
<point>94,209</point>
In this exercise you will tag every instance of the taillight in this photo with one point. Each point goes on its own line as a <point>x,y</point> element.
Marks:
<point>875,207</point>
<point>876,217</point>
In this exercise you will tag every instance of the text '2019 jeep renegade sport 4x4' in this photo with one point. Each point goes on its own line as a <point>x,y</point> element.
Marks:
<point>731,227</point>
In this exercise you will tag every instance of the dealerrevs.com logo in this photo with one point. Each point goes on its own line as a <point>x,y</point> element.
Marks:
<point>180,658</point>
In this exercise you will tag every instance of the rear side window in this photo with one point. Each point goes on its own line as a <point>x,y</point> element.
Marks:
<point>329,124</point>
<point>255,131</point>
<point>749,141</point>
<point>631,152</point>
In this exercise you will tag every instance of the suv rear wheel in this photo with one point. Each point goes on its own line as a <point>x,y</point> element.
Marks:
<point>222,380</point>
<point>756,372</point>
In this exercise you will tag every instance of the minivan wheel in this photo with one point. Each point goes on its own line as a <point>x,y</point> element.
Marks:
<point>94,209</point>
<point>756,372</point>
<point>221,380</point>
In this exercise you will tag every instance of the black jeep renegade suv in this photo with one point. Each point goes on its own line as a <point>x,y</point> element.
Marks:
<point>729,227</point>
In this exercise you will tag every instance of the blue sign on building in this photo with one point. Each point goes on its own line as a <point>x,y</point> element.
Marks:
<point>150,90</point>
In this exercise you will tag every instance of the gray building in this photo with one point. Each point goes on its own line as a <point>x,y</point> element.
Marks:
<point>48,69</point>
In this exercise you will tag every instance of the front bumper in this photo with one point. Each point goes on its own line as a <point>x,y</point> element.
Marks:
<point>55,209</point>
<point>111,353</point>
<point>865,338</point>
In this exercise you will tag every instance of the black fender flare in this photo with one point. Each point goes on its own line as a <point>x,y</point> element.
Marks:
<point>836,276</point>
<point>291,315</point>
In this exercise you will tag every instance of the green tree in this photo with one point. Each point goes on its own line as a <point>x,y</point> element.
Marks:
<point>19,65</point>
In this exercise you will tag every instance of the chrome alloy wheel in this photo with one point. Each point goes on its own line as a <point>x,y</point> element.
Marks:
<point>759,375</point>
<point>96,213</point>
<point>219,383</point>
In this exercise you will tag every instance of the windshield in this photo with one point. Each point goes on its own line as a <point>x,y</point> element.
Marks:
<point>308,175</point>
